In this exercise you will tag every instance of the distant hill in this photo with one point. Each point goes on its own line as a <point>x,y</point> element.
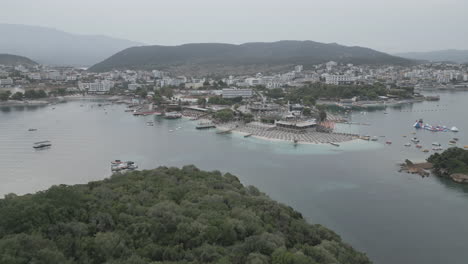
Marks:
<point>54,47</point>
<point>218,58</point>
<point>451,55</point>
<point>13,60</point>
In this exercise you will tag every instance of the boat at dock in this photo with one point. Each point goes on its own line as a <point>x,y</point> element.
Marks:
<point>374,138</point>
<point>365,138</point>
<point>224,131</point>
<point>248,135</point>
<point>207,125</point>
<point>42,144</point>
<point>334,144</point>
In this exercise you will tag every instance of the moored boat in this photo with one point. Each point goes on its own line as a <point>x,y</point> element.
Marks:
<point>205,125</point>
<point>42,144</point>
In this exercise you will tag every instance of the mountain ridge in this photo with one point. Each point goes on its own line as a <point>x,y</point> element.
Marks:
<point>448,55</point>
<point>55,47</point>
<point>14,60</point>
<point>211,56</point>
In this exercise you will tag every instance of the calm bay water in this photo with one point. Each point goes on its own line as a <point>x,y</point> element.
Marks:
<point>355,190</point>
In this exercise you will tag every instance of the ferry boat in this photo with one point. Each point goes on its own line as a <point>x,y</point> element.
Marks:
<point>42,144</point>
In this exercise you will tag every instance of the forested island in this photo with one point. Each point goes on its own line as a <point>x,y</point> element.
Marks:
<point>452,163</point>
<point>166,215</point>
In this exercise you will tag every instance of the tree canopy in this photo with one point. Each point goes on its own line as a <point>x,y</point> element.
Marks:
<point>166,215</point>
<point>452,160</point>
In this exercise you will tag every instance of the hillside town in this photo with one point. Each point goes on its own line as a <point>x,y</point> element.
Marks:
<point>423,76</point>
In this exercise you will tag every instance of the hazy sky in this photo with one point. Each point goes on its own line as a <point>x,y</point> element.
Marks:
<point>390,25</point>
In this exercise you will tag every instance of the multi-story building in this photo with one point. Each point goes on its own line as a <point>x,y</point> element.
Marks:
<point>6,82</point>
<point>98,87</point>
<point>234,92</point>
<point>338,79</point>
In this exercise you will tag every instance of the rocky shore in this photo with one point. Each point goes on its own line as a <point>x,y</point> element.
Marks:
<point>424,169</point>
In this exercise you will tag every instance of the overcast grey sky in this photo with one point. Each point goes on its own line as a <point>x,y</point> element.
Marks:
<point>390,25</point>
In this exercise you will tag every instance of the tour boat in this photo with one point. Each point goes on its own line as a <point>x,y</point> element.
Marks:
<point>42,144</point>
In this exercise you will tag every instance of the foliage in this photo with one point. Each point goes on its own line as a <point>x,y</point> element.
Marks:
<point>224,115</point>
<point>5,95</point>
<point>275,93</point>
<point>17,96</point>
<point>218,100</point>
<point>33,94</point>
<point>201,102</point>
<point>167,215</point>
<point>322,115</point>
<point>307,111</point>
<point>452,160</point>
<point>310,93</point>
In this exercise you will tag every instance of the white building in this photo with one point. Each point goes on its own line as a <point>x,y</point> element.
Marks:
<point>34,76</point>
<point>133,86</point>
<point>233,93</point>
<point>338,79</point>
<point>253,81</point>
<point>6,82</point>
<point>298,68</point>
<point>98,87</point>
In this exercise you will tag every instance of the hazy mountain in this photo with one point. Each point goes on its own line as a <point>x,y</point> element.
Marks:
<point>13,60</point>
<point>458,56</point>
<point>217,58</point>
<point>54,47</point>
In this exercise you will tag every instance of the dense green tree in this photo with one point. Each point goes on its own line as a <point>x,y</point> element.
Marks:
<point>224,115</point>
<point>17,96</point>
<point>322,115</point>
<point>452,160</point>
<point>4,96</point>
<point>166,215</point>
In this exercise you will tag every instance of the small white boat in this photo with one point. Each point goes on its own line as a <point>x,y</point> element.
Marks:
<point>415,140</point>
<point>150,123</point>
<point>437,144</point>
<point>408,144</point>
<point>454,129</point>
